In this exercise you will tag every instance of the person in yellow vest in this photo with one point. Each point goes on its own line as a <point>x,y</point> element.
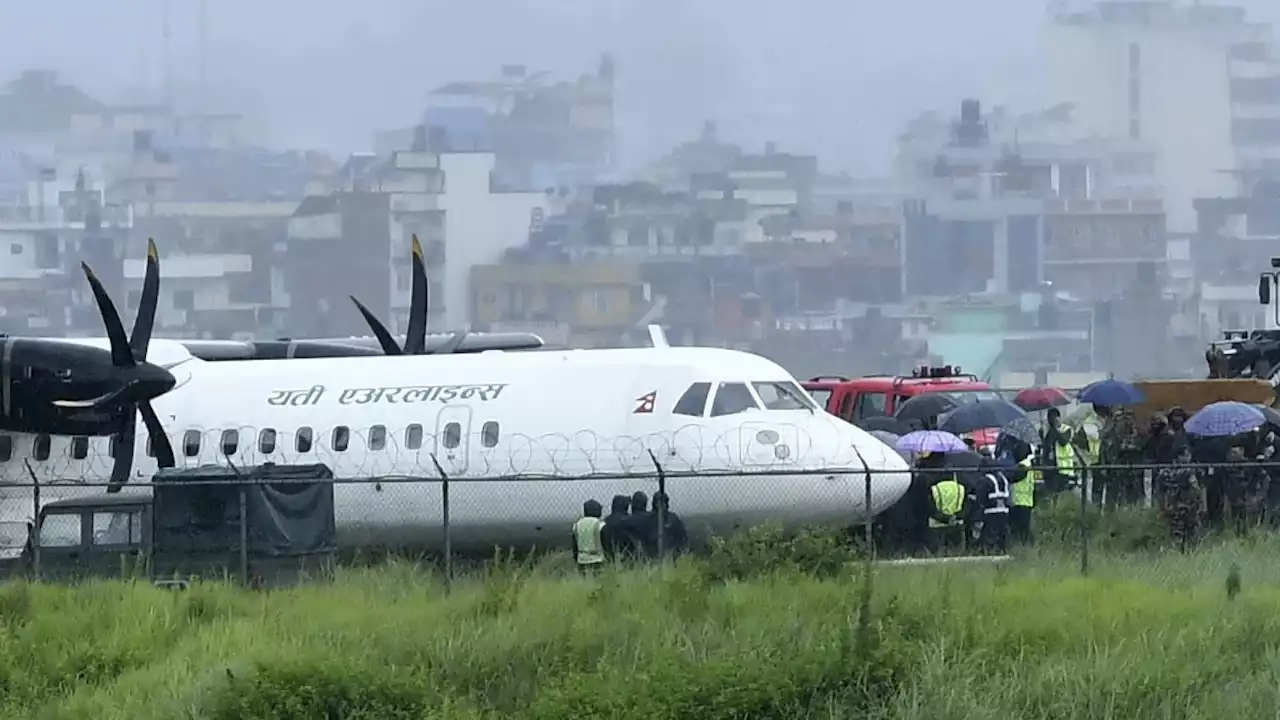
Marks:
<point>946,515</point>
<point>588,549</point>
<point>1085,441</point>
<point>1057,457</point>
<point>1017,455</point>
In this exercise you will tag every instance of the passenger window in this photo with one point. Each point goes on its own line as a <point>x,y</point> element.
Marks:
<point>302,442</point>
<point>267,441</point>
<point>230,441</point>
<point>41,449</point>
<point>377,437</point>
<point>452,435</point>
<point>489,434</point>
<point>6,447</point>
<point>150,451</point>
<point>781,396</point>
<point>191,443</point>
<point>121,527</point>
<point>871,405</point>
<point>341,438</point>
<point>732,398</point>
<point>60,531</point>
<point>694,400</point>
<point>79,447</point>
<point>413,436</point>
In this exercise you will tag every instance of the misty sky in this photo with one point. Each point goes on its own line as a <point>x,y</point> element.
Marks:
<point>835,77</point>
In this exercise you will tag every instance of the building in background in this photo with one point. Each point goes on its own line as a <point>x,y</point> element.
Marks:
<point>1199,83</point>
<point>1000,203</point>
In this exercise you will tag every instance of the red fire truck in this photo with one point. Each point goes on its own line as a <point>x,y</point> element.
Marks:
<point>880,395</point>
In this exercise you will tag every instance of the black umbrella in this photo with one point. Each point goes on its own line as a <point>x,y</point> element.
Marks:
<point>967,467</point>
<point>926,405</point>
<point>982,414</point>
<point>885,424</point>
<point>1270,413</point>
<point>1022,429</point>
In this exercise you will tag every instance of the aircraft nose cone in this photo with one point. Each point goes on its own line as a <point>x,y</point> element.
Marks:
<point>154,381</point>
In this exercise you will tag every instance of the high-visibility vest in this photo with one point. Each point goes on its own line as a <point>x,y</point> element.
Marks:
<point>1065,458</point>
<point>997,494</point>
<point>587,532</point>
<point>948,497</point>
<point>1023,492</point>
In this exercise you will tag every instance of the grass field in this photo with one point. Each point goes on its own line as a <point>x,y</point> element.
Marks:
<point>742,634</point>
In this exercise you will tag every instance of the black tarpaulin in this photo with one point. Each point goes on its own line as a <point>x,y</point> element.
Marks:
<point>288,510</point>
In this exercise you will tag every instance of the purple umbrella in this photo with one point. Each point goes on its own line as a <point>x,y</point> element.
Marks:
<point>932,441</point>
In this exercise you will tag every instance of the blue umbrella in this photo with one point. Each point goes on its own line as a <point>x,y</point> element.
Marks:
<point>1112,393</point>
<point>1224,419</point>
<point>932,441</point>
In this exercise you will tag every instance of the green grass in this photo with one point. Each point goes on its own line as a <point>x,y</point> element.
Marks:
<point>743,633</point>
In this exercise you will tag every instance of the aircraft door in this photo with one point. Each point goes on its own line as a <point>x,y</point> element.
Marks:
<point>453,438</point>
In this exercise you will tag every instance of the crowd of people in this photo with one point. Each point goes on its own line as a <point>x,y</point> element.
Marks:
<point>631,532</point>
<point>1198,483</point>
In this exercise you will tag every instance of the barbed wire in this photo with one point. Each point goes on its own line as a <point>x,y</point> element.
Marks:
<point>382,453</point>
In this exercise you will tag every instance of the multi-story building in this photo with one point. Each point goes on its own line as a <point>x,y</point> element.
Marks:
<point>355,240</point>
<point>544,134</point>
<point>1198,82</point>
<point>1004,203</point>
<point>1236,240</point>
<point>591,304</point>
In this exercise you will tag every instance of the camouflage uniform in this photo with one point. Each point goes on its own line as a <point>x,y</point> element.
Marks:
<point>1183,502</point>
<point>1246,490</point>
<point>1120,444</point>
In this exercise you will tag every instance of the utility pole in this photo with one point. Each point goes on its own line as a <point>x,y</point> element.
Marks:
<point>202,106</point>
<point>166,56</point>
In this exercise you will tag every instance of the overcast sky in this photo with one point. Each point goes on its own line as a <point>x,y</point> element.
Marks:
<point>835,77</point>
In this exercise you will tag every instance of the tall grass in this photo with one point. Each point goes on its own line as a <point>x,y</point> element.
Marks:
<point>763,627</point>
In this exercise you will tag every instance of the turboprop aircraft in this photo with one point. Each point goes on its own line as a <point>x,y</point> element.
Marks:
<point>737,438</point>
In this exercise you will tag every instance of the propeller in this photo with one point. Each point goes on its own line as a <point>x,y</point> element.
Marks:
<point>141,381</point>
<point>415,337</point>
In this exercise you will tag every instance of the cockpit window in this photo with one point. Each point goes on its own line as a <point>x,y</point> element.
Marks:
<point>732,398</point>
<point>782,396</point>
<point>694,400</point>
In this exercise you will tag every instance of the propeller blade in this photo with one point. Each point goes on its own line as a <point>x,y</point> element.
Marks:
<point>123,464</point>
<point>415,338</point>
<point>145,321</point>
<point>388,343</point>
<point>159,441</point>
<point>454,341</point>
<point>121,353</point>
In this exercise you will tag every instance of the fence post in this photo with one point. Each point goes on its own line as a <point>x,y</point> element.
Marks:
<point>244,535</point>
<point>661,511</point>
<point>34,532</point>
<point>1084,519</point>
<point>866,509</point>
<point>445,529</point>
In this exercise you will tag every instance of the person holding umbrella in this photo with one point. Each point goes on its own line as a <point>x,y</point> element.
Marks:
<point>912,515</point>
<point>1243,484</point>
<point>1120,445</point>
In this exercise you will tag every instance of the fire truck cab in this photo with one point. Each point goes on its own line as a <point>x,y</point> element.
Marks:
<point>874,396</point>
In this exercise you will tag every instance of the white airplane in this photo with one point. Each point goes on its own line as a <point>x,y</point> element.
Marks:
<point>738,439</point>
<point>528,435</point>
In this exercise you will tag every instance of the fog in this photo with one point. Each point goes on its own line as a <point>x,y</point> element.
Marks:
<point>835,78</point>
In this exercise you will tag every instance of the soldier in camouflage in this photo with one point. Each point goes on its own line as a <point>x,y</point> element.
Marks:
<point>1246,489</point>
<point>1183,498</point>
<point>1119,445</point>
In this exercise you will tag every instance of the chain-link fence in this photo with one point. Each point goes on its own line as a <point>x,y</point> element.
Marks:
<point>450,510</point>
